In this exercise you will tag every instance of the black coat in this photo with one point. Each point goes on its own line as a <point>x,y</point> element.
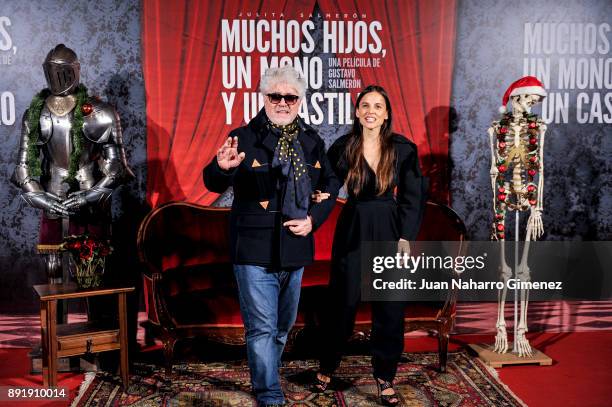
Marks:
<point>257,234</point>
<point>395,214</point>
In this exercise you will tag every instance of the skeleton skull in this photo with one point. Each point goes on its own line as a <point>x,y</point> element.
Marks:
<point>523,103</point>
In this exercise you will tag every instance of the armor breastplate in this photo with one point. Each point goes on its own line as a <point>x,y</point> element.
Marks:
<point>57,147</point>
<point>55,132</point>
<point>97,126</point>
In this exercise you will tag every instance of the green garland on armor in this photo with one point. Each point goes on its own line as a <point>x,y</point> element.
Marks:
<point>76,132</point>
<point>33,120</point>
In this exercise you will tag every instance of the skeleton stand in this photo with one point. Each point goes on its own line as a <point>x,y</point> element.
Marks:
<point>516,263</point>
<point>486,352</point>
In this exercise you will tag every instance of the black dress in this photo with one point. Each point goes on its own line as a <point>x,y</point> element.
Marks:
<point>371,217</point>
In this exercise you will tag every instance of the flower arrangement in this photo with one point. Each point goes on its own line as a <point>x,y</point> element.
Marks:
<point>89,258</point>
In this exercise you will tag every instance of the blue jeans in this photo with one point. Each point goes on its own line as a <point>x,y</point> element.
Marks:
<point>268,304</point>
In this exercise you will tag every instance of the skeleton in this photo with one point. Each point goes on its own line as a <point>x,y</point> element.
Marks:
<point>516,160</point>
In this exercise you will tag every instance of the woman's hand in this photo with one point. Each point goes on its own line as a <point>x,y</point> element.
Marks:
<point>227,155</point>
<point>403,247</point>
<point>319,196</point>
<point>299,227</point>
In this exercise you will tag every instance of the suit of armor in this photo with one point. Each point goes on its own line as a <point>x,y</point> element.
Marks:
<point>72,190</point>
<point>102,150</point>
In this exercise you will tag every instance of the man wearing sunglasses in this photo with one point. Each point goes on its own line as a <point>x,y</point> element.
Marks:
<point>275,165</point>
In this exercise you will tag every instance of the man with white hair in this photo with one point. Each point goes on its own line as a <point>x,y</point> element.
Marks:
<point>274,164</point>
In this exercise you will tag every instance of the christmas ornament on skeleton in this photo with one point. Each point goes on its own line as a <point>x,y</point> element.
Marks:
<point>517,178</point>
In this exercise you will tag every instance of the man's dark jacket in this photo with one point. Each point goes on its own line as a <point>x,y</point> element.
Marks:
<point>257,234</point>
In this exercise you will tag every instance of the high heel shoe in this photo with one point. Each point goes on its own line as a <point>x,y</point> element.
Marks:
<point>320,385</point>
<point>389,400</point>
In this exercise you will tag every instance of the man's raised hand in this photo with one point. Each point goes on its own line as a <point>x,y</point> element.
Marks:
<point>227,155</point>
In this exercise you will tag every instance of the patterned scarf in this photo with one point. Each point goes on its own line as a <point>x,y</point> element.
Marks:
<point>289,156</point>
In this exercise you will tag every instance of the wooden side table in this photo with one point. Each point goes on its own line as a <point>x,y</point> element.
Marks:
<point>75,339</point>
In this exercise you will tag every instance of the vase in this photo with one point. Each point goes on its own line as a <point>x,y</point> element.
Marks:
<point>87,273</point>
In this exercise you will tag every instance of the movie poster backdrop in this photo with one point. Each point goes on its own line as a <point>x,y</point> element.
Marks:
<point>183,74</point>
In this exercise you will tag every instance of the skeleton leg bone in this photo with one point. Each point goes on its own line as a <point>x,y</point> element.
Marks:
<point>524,275</point>
<point>501,338</point>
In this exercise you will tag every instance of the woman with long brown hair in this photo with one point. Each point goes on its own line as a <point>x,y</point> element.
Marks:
<point>381,173</point>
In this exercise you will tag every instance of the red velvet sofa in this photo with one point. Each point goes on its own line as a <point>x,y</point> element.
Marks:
<point>190,289</point>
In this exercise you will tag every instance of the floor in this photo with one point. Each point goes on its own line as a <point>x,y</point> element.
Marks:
<point>578,338</point>
<point>472,318</point>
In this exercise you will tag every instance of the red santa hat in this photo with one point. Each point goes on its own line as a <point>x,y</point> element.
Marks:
<point>527,85</point>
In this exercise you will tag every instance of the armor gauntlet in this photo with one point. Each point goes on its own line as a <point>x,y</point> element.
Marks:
<point>46,201</point>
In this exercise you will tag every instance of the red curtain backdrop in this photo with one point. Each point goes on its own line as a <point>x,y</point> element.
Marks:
<point>417,74</point>
<point>182,71</point>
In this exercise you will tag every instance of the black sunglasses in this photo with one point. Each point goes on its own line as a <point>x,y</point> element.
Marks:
<point>275,98</point>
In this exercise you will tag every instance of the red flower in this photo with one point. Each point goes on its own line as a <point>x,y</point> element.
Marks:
<point>83,248</point>
<point>86,253</point>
